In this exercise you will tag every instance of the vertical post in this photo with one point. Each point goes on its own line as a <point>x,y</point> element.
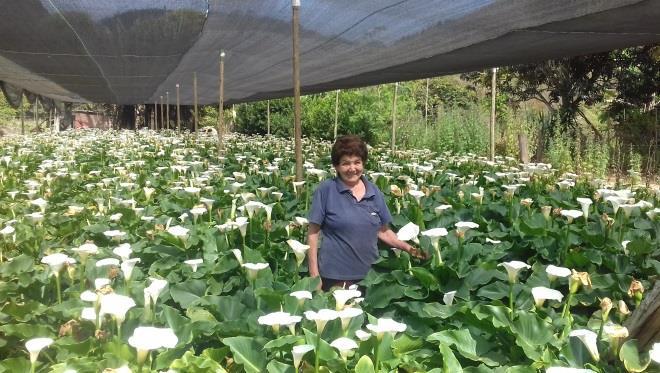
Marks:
<point>221,103</point>
<point>493,95</point>
<point>162,114</point>
<point>178,110</point>
<point>336,113</point>
<point>268,117</point>
<point>393,137</point>
<point>195,117</point>
<point>36,114</point>
<point>167,109</point>
<point>297,133</point>
<point>154,124</point>
<point>22,115</point>
<point>426,107</point>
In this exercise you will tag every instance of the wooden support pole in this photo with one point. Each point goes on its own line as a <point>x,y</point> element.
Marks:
<point>154,124</point>
<point>426,107</point>
<point>167,109</point>
<point>221,109</point>
<point>297,133</point>
<point>162,115</point>
<point>268,117</point>
<point>195,113</point>
<point>493,94</point>
<point>393,137</point>
<point>178,110</point>
<point>336,113</point>
<point>22,115</point>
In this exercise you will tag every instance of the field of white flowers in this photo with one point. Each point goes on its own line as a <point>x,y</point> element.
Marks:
<point>142,251</point>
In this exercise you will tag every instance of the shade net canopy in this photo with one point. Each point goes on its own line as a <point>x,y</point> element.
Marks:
<point>135,51</point>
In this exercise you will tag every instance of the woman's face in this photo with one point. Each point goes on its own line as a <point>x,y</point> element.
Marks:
<point>350,169</point>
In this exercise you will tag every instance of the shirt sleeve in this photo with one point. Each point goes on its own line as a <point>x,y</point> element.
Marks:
<point>317,211</point>
<point>383,211</point>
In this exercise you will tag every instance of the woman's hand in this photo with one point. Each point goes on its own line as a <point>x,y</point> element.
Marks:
<point>419,254</point>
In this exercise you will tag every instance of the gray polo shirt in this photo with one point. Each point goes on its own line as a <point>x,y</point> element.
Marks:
<point>350,228</point>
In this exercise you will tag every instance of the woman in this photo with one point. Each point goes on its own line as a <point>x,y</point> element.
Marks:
<point>352,214</point>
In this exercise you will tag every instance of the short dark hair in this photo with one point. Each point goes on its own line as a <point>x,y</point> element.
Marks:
<point>349,145</point>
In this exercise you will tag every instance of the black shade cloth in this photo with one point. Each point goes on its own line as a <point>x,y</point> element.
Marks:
<point>134,51</point>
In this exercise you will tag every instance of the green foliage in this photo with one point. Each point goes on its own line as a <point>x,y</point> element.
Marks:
<point>7,113</point>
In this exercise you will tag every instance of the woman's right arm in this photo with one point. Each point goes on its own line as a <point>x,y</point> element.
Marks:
<point>312,254</point>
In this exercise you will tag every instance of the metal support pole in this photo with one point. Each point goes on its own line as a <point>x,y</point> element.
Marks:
<point>195,117</point>
<point>268,117</point>
<point>154,124</point>
<point>167,109</point>
<point>493,94</point>
<point>297,133</point>
<point>336,112</point>
<point>178,110</point>
<point>221,103</point>
<point>393,139</point>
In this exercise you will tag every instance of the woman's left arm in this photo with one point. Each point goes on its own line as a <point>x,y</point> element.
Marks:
<point>388,236</point>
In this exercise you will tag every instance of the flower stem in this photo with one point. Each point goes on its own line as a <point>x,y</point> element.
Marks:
<point>59,288</point>
<point>316,353</point>
<point>376,357</point>
<point>511,299</point>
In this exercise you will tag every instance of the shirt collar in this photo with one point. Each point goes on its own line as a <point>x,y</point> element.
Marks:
<point>342,188</point>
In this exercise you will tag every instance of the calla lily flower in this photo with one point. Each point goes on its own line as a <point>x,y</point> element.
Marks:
<point>194,263</point>
<point>440,209</point>
<point>6,231</point>
<point>253,269</point>
<point>554,272</point>
<point>242,223</point>
<point>655,352</point>
<point>386,325</point>
<point>585,203</point>
<point>408,232</point>
<point>146,338</point>
<point>417,194</point>
<point>571,214</point>
<point>448,298</point>
<point>252,207</point>
<point>298,352</point>
<point>277,319</point>
<point>123,251</point>
<point>107,262</point>
<point>301,295</point>
<point>321,318</point>
<point>512,269</point>
<point>464,226</point>
<point>41,203</point>
<point>127,267</point>
<point>589,339</point>
<point>434,235</point>
<point>99,283</point>
<point>345,346</point>
<point>116,305</point>
<point>347,314</point>
<point>178,232</point>
<point>342,296</point>
<point>85,250</point>
<point>362,335</point>
<point>152,292</point>
<point>114,234</point>
<point>239,256</point>
<point>56,262</point>
<point>35,345</point>
<point>299,249</point>
<point>541,294</point>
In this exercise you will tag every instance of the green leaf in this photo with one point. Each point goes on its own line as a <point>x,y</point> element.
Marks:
<point>449,361</point>
<point>15,365</point>
<point>532,333</point>
<point>247,352</point>
<point>326,352</point>
<point>188,292</point>
<point>405,344</point>
<point>383,294</point>
<point>425,277</point>
<point>285,340</point>
<point>629,355</point>
<point>364,365</point>
<point>277,367</point>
